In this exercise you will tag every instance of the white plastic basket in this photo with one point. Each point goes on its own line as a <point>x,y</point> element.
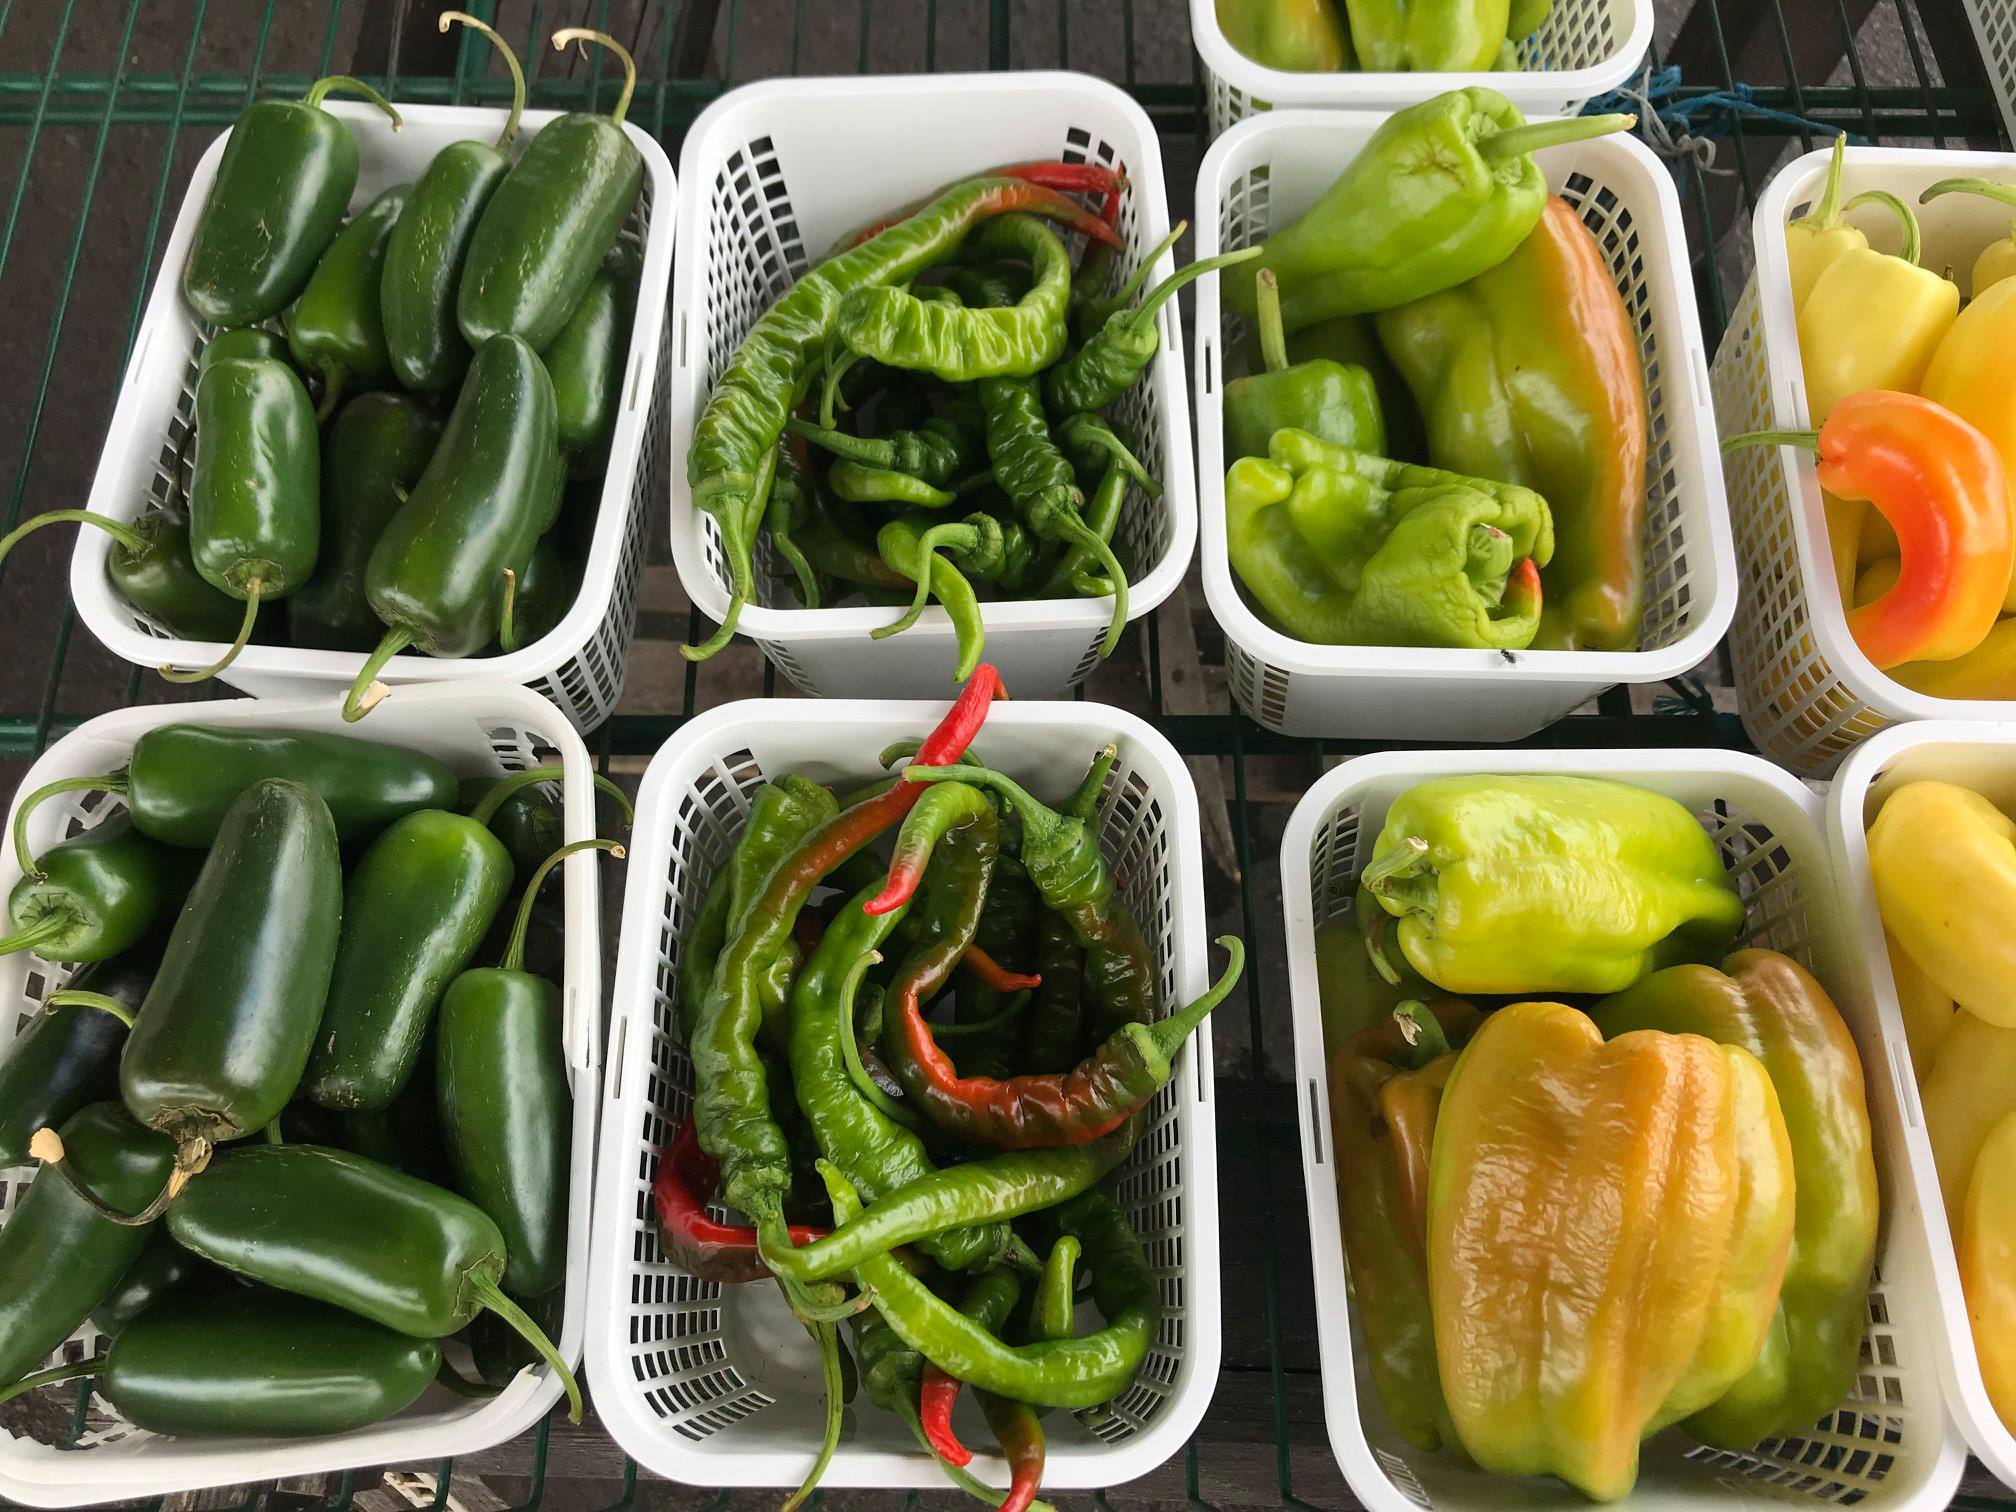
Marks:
<point>1983,757</point>
<point>1995,29</point>
<point>1587,48</point>
<point>1808,694</point>
<point>1267,170</point>
<point>717,1386</point>
<point>1890,1446</point>
<point>580,664</point>
<point>478,729</point>
<point>779,171</point>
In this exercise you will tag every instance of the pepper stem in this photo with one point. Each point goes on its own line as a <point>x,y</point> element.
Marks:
<point>1375,946</point>
<point>272,1134</point>
<point>117,783</point>
<point>321,88</point>
<point>850,1050</point>
<point>45,929</point>
<point>1273,337</point>
<point>1422,1033</point>
<point>507,627</point>
<point>1078,533</point>
<point>1143,313</point>
<point>54,1376</point>
<point>1123,296</point>
<point>1089,431</point>
<point>828,1338</point>
<point>485,808</point>
<point>46,1146</point>
<point>514,947</point>
<point>78,997</point>
<point>1538,134</point>
<point>1405,861</point>
<point>584,35</point>
<point>1007,1013</point>
<point>1169,1033</point>
<point>854,448</point>
<point>253,588</point>
<point>1807,440</point>
<point>1085,798</point>
<point>1039,820</point>
<point>957,532</point>
<point>2006,193</point>
<point>124,534</point>
<point>1827,214</point>
<point>510,61</point>
<point>487,1292</point>
<point>1907,220</point>
<point>366,693</point>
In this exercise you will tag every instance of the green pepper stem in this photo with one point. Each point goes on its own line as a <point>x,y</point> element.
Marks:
<point>1078,533</point>
<point>1827,214</point>
<point>1407,860</point>
<point>78,997</point>
<point>1169,1033</point>
<point>899,750</point>
<point>1422,1033</point>
<point>1124,295</point>
<point>485,808</point>
<point>2006,193</point>
<point>1375,947</point>
<point>124,534</point>
<point>46,1146</point>
<point>334,377</point>
<point>321,88</point>
<point>1806,440</point>
<point>488,1293</point>
<point>850,1051</point>
<point>615,795</point>
<point>253,588</point>
<point>366,693</point>
<point>1538,134</point>
<point>1039,820</point>
<point>1007,1013</point>
<point>854,448</point>
<point>954,532</point>
<point>514,947</point>
<point>584,35</point>
<point>117,783</point>
<point>1143,314</point>
<point>830,1380</point>
<point>1273,337</point>
<point>55,1376</point>
<point>723,634</point>
<point>272,1133</point>
<point>1090,432</point>
<point>47,928</point>
<point>1907,220</point>
<point>510,61</point>
<point>1085,798</point>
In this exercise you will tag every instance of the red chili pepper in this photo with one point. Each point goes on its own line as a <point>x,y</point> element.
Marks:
<point>1019,1431</point>
<point>990,973</point>
<point>1070,178</point>
<point>706,1247</point>
<point>934,1409</point>
<point>1084,222</point>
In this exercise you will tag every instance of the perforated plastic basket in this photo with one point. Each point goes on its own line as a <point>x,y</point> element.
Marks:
<point>1270,169</point>
<point>717,1386</point>
<point>780,171</point>
<point>1808,694</point>
<point>1586,48</point>
<point>1995,29</point>
<point>478,729</point>
<point>1980,756</point>
<point>579,664</point>
<point>1889,1446</point>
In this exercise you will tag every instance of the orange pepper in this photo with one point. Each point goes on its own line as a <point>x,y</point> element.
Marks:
<point>1941,485</point>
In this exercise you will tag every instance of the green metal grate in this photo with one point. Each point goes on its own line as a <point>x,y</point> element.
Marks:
<point>107,103</point>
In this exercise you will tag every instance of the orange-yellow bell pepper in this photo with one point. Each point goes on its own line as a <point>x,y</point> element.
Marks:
<point>1997,260</point>
<point>1987,1247</point>
<point>1972,374</point>
<point>1608,1226</point>
<point>1940,483</point>
<point>1943,860</point>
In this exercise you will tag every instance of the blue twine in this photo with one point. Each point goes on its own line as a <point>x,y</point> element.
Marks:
<point>1677,125</point>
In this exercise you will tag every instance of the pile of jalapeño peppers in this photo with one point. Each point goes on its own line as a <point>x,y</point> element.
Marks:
<point>959,1186</point>
<point>299,1121</point>
<point>977,369</point>
<point>401,421</point>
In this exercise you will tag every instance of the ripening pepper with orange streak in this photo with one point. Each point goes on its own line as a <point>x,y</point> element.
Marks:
<point>1608,1227</point>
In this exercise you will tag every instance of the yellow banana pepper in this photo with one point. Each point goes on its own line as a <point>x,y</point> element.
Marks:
<point>1608,1226</point>
<point>1998,259</point>
<point>1928,1011</point>
<point>1972,1086</point>
<point>1987,1244</point>
<point>1814,241</point>
<point>1988,671</point>
<point>1943,859</point>
<point>1972,375</point>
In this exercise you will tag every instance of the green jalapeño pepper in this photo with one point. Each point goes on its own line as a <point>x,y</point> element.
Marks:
<point>68,1055</point>
<point>1544,883</point>
<point>59,1255</point>
<point>91,896</point>
<point>220,1041</point>
<point>1444,190</point>
<point>1427,36</point>
<point>1344,548</point>
<point>436,577</point>
<point>537,596</point>
<point>182,779</point>
<point>586,361</point>
<point>1320,396</point>
<point>335,329</point>
<point>279,195</point>
<point>356,1234</point>
<point>163,1269</point>
<point>424,256</point>
<point>255,493</point>
<point>255,1364</point>
<point>547,226</point>
<point>371,458</point>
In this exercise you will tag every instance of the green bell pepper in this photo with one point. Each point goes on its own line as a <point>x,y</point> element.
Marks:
<point>1344,548</point>
<point>1300,36</point>
<point>1543,883</point>
<point>1326,398</point>
<point>1427,36</point>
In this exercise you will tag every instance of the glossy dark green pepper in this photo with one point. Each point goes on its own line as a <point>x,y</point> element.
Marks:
<point>1326,398</point>
<point>241,341</point>
<point>423,260</point>
<point>219,1043</point>
<point>68,1055</point>
<point>539,596</point>
<point>281,189</point>
<point>356,1234</point>
<point>150,565</point>
<point>371,458</point>
<point>586,363</point>
<point>544,232</point>
<point>160,1270</point>
<point>405,1134</point>
<point>91,896</point>
<point>335,328</point>
<point>436,577</point>
<point>181,780</point>
<point>59,1257</point>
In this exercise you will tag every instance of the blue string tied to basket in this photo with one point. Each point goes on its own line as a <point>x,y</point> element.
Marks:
<point>1682,123</point>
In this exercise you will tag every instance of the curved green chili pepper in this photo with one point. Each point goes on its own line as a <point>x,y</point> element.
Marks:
<point>336,328</point>
<point>941,450</point>
<point>1102,517</point>
<point>1094,445</point>
<point>882,485</point>
<point>911,546</point>
<point>1093,310</point>
<point>94,895</point>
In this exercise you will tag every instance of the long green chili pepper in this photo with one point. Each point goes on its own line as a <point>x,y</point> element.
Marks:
<point>1094,444</point>
<point>786,511</point>
<point>772,369</point>
<point>912,547</point>
<point>1040,483</point>
<point>1053,1306</point>
<point>1092,311</point>
<point>1102,517</point>
<point>1106,366</point>
<point>1081,1372</point>
<point>884,485</point>
<point>945,447</point>
<point>893,326</point>
<point>1054,1030</point>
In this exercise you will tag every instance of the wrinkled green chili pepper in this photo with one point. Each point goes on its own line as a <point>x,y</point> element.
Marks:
<point>335,328</point>
<point>941,450</point>
<point>883,485</point>
<point>912,545</point>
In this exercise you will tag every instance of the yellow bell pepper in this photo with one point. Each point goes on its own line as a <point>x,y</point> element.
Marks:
<point>1998,259</point>
<point>1928,1011</point>
<point>1987,1245</point>
<point>1972,1085</point>
<point>1943,859</point>
<point>1608,1226</point>
<point>1972,375</point>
